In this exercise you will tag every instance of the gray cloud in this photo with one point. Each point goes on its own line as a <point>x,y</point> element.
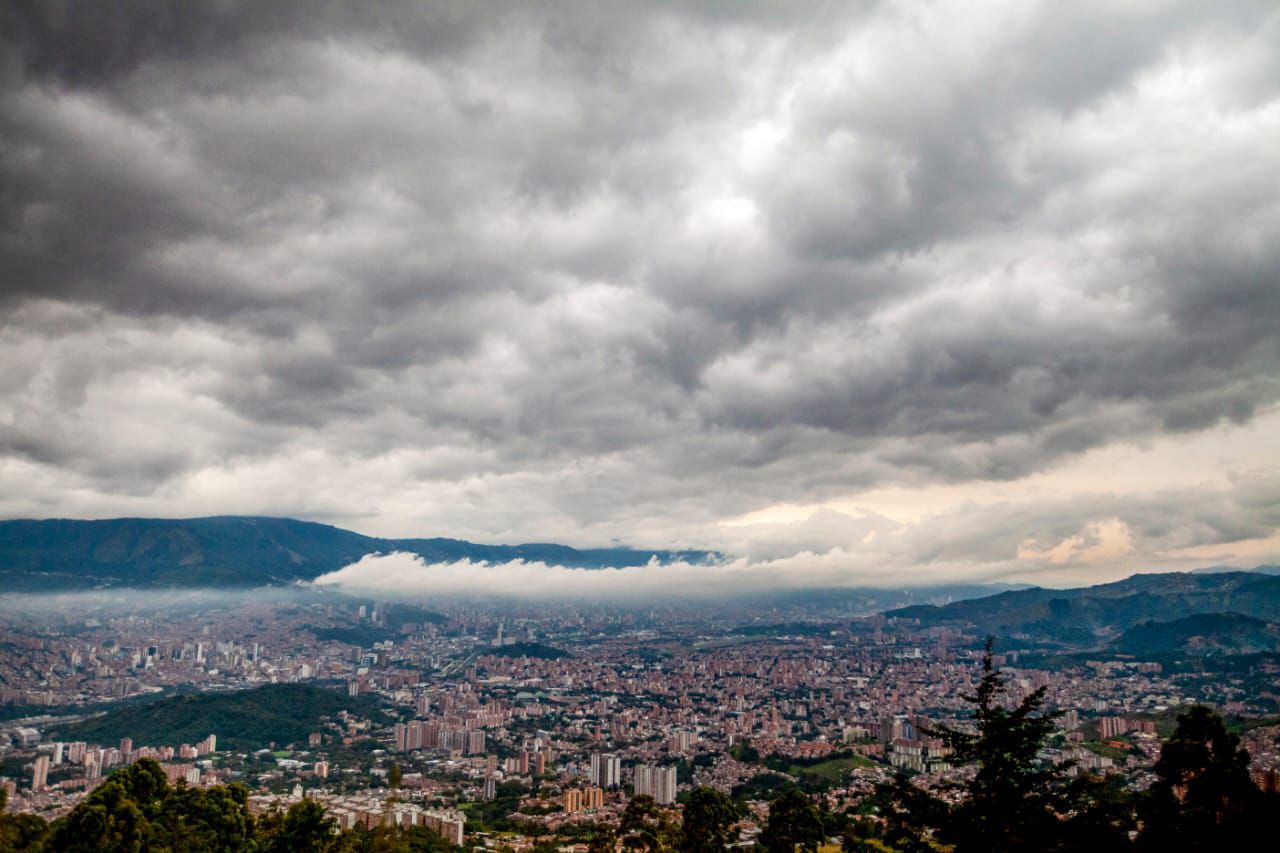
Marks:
<point>586,271</point>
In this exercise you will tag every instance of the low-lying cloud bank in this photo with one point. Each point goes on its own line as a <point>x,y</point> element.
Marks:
<point>402,573</point>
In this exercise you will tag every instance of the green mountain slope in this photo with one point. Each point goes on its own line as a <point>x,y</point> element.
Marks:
<point>1201,635</point>
<point>245,719</point>
<point>1097,614</point>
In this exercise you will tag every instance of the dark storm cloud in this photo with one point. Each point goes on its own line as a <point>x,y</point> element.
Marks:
<point>588,270</point>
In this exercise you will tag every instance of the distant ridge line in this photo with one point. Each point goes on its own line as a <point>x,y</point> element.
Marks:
<point>38,555</point>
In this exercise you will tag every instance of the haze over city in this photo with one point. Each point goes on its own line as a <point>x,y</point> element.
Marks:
<point>919,292</point>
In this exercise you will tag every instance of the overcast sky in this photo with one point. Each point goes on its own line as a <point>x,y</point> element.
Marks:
<point>929,290</point>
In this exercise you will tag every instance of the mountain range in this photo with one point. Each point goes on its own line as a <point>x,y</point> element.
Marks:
<point>241,551</point>
<point>1230,612</point>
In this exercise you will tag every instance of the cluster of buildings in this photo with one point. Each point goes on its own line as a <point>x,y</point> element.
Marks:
<point>642,704</point>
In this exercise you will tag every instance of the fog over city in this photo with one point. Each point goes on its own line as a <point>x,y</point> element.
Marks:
<point>851,294</point>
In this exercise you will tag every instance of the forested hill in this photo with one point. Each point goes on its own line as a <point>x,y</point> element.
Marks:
<point>1092,615</point>
<point>229,551</point>
<point>243,719</point>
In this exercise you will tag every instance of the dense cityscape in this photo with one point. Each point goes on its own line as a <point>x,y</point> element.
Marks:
<point>512,724</point>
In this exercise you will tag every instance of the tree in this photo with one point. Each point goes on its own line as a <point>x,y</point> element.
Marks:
<point>137,809</point>
<point>20,833</point>
<point>909,818</point>
<point>1014,802</point>
<point>793,822</point>
<point>644,826</point>
<point>708,818</point>
<point>215,818</point>
<point>115,817</point>
<point>1203,798</point>
<point>394,775</point>
<point>1098,815</point>
<point>305,829</point>
<point>1009,802</point>
<point>601,839</point>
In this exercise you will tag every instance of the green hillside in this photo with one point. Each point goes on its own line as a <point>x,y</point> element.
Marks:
<point>528,650</point>
<point>243,720</point>
<point>1202,635</point>
<point>1091,616</point>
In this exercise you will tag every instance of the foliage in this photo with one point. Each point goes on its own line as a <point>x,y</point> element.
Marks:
<point>762,786</point>
<point>708,816</point>
<point>136,810</point>
<point>746,753</point>
<point>362,635</point>
<point>528,650</point>
<point>1013,802</point>
<point>814,774</point>
<point>1010,800</point>
<point>492,814</point>
<point>793,822</point>
<point>646,827</point>
<point>305,829</point>
<point>1203,798</point>
<point>245,719</point>
<point>20,833</point>
<point>909,817</point>
<point>1200,635</point>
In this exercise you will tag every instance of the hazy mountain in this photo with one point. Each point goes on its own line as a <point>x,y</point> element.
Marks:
<point>226,551</point>
<point>1213,570</point>
<point>1092,615</point>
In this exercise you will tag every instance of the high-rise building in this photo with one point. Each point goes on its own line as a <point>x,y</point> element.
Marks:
<point>1112,726</point>
<point>475,743</point>
<point>606,770</point>
<point>680,741</point>
<point>40,773</point>
<point>322,770</point>
<point>126,747</point>
<point>656,782</point>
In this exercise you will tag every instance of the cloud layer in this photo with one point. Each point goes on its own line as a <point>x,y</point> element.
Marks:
<point>596,271</point>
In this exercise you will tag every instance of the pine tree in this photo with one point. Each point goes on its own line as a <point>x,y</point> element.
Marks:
<point>1014,802</point>
<point>1009,803</point>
